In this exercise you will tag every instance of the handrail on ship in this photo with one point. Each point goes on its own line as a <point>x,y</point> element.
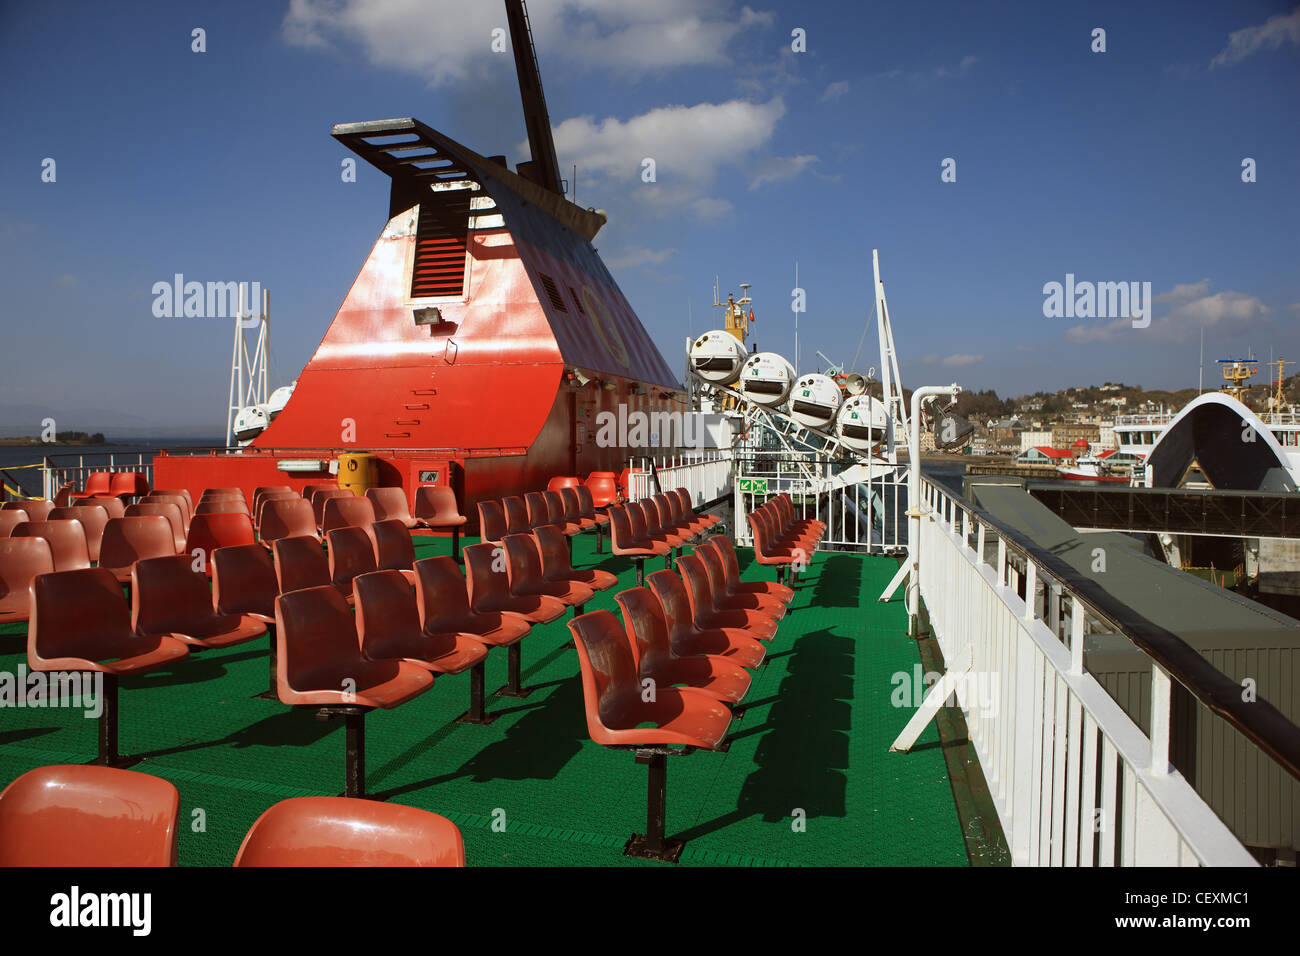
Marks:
<point>1258,720</point>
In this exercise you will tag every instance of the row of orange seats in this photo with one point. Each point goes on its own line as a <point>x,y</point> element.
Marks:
<point>783,539</point>
<point>103,816</point>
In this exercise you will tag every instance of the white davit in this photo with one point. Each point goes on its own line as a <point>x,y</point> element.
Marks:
<point>814,401</point>
<point>861,423</point>
<point>717,357</point>
<point>766,379</point>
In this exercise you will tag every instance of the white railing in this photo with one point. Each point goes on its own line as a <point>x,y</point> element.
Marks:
<point>706,475</point>
<point>1075,781</point>
<point>57,472</point>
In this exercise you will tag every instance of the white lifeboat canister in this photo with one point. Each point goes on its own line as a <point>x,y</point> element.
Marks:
<point>250,422</point>
<point>717,357</point>
<point>766,379</point>
<point>279,398</point>
<point>861,422</point>
<point>814,400</point>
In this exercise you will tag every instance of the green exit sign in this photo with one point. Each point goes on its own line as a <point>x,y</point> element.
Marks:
<point>753,486</point>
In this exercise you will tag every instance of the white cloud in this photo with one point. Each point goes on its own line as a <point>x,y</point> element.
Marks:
<point>689,146</point>
<point>835,90</point>
<point>1273,34</point>
<point>446,40</point>
<point>1191,308</point>
<point>634,256</point>
<point>961,360</point>
<point>966,63</point>
<point>777,168</point>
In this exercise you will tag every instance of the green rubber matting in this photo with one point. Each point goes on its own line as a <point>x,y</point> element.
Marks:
<point>808,781</point>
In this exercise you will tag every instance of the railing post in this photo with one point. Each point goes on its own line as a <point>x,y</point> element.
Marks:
<point>1160,701</point>
<point>1031,589</point>
<point>1076,635</point>
<point>1002,562</point>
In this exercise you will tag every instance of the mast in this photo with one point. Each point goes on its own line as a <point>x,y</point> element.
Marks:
<point>544,168</point>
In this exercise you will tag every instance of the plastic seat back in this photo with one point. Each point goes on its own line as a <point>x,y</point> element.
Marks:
<point>168,510</point>
<point>441,594</point>
<point>82,615</point>
<point>262,492</point>
<point>562,481</point>
<point>243,581</point>
<point>99,483</point>
<point>128,484</point>
<point>603,488</point>
<point>717,574</point>
<point>338,831</point>
<point>698,590</point>
<point>516,515</point>
<point>223,493</point>
<point>674,602</point>
<point>620,529</point>
<point>93,519</point>
<point>222,506</point>
<point>523,564</point>
<point>319,498</point>
<point>35,509</point>
<point>638,520</point>
<point>260,503</point>
<point>346,512</point>
<point>88,816</point>
<point>388,617</point>
<point>554,508</point>
<point>114,506</point>
<point>485,577</point>
<point>436,506</point>
<point>389,503</point>
<point>299,563</point>
<point>67,540</point>
<point>539,512</point>
<point>21,559</point>
<point>585,500</point>
<point>350,554</point>
<point>554,552</point>
<point>286,518</point>
<point>183,492</point>
<point>572,506</point>
<point>168,595</point>
<point>491,521</point>
<point>609,672</point>
<point>316,638</point>
<point>131,539</point>
<point>10,520</point>
<point>645,625</point>
<point>309,491</point>
<point>180,501</point>
<point>209,532</point>
<point>394,549</point>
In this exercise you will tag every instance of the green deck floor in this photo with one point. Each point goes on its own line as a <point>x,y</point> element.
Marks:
<point>816,739</point>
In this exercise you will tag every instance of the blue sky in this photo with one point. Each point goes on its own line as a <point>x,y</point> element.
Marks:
<point>1115,166</point>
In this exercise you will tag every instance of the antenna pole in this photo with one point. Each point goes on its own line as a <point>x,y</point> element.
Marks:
<point>796,321</point>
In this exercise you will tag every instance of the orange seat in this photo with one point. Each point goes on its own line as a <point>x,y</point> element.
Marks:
<point>36,509</point>
<point>785,507</point>
<point>98,485</point>
<point>351,552</point>
<point>555,484</point>
<point>394,550</point>
<point>21,559</point>
<point>616,708</point>
<point>555,511</point>
<point>556,566</point>
<point>731,570</point>
<point>644,515</point>
<point>170,510</point>
<point>684,518</point>
<point>489,593</point>
<point>624,478</point>
<point>647,633</point>
<point>688,506</point>
<point>725,600</point>
<point>128,484</point>
<point>286,518</point>
<point>301,563</point>
<point>344,512</point>
<point>686,638</point>
<point>169,597</point>
<point>222,506</point>
<point>81,622</point>
<point>183,492</point>
<point>180,501</point>
<point>573,510</point>
<point>622,542</point>
<point>443,601</point>
<point>10,520</point>
<point>67,540</point>
<point>588,511</point>
<point>524,574</point>
<point>388,624</point>
<point>320,665</point>
<point>209,532</point>
<point>779,534</point>
<point>539,512</point>
<point>244,582</point>
<point>491,522</point>
<point>260,503</point>
<point>113,506</point>
<point>263,492</point>
<point>436,507</point>
<point>516,515</point>
<point>336,831</point>
<point>128,540</point>
<point>80,816</point>
<point>223,493</point>
<point>320,497</point>
<point>765,552</point>
<point>707,613</point>
<point>603,487</point>
<point>309,491</point>
<point>390,505</point>
<point>93,518</point>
